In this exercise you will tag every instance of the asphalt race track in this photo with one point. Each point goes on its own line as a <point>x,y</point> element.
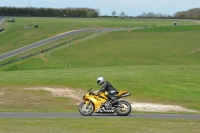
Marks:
<point>48,40</point>
<point>1,18</point>
<point>77,115</point>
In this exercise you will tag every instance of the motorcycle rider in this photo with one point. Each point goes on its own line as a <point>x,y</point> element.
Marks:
<point>106,86</point>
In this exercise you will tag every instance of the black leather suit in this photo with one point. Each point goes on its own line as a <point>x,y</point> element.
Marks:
<point>110,89</point>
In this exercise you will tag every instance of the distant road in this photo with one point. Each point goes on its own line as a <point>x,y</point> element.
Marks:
<point>48,40</point>
<point>77,115</point>
<point>1,20</point>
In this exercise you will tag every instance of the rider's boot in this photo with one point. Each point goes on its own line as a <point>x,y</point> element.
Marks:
<point>115,102</point>
<point>107,104</point>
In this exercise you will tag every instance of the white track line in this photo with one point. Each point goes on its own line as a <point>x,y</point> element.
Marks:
<point>2,21</point>
<point>37,42</point>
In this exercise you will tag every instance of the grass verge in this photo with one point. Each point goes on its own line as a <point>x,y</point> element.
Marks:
<point>108,125</point>
<point>176,85</point>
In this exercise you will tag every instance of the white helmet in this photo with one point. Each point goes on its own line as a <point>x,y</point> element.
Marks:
<point>100,80</point>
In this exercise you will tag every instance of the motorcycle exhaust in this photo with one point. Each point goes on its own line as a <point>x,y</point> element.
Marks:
<point>125,95</point>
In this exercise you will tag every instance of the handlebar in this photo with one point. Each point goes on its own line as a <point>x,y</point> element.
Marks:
<point>89,90</point>
<point>92,92</point>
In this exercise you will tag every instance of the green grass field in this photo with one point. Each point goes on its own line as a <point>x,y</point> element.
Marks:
<point>158,64</point>
<point>15,35</point>
<point>90,125</point>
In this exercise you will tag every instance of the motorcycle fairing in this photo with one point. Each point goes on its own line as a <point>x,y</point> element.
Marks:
<point>97,101</point>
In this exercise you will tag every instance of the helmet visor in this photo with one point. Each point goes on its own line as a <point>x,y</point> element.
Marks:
<point>99,82</point>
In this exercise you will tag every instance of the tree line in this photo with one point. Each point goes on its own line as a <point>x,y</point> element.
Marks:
<point>153,15</point>
<point>87,12</point>
<point>190,14</point>
<point>48,12</point>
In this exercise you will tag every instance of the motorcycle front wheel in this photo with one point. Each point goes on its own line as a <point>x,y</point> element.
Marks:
<point>124,108</point>
<point>86,110</point>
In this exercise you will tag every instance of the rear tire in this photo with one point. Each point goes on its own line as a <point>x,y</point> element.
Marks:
<point>86,112</point>
<point>124,109</point>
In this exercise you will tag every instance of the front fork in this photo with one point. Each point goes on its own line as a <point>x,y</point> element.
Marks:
<point>87,104</point>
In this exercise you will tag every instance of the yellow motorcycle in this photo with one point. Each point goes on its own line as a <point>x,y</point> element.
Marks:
<point>99,103</point>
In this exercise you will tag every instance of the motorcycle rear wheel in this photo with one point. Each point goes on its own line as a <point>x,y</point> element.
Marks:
<point>124,108</point>
<point>86,111</point>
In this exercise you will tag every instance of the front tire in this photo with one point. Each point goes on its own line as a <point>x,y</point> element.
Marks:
<point>86,111</point>
<point>124,108</point>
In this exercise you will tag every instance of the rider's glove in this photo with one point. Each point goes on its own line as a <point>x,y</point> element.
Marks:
<point>96,92</point>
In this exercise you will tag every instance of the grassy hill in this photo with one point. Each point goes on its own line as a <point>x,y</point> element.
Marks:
<point>15,35</point>
<point>159,64</point>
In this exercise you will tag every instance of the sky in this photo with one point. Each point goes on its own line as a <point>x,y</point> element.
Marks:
<point>106,7</point>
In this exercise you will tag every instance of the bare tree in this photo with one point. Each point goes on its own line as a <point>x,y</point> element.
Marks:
<point>192,13</point>
<point>122,14</point>
<point>114,13</point>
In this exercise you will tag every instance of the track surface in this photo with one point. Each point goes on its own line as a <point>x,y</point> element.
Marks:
<point>77,115</point>
<point>1,19</point>
<point>48,40</point>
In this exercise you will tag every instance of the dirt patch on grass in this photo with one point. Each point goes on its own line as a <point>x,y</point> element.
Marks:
<point>62,92</point>
<point>136,106</point>
<point>151,107</point>
<point>41,55</point>
<point>195,51</point>
<point>1,93</point>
